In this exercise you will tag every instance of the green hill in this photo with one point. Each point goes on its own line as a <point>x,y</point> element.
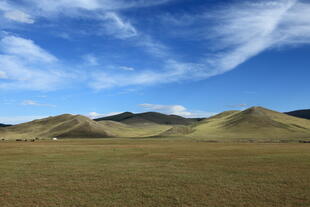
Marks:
<point>149,117</point>
<point>253,123</point>
<point>305,114</point>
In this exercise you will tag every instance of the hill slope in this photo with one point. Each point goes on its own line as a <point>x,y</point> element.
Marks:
<point>148,117</point>
<point>253,123</point>
<point>133,130</point>
<point>77,126</point>
<point>66,125</point>
<point>305,114</point>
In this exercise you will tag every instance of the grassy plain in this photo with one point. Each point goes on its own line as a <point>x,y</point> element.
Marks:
<point>153,172</point>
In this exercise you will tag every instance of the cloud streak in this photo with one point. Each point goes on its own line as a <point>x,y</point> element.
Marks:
<point>115,26</point>
<point>242,31</point>
<point>103,5</point>
<point>34,103</point>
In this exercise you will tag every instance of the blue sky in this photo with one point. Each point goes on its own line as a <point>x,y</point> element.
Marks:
<point>187,57</point>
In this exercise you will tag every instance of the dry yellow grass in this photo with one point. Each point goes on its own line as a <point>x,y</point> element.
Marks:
<point>153,172</point>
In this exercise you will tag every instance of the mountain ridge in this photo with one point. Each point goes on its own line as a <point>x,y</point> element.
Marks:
<point>304,113</point>
<point>148,117</point>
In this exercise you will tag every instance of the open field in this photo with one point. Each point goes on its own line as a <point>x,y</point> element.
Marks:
<point>149,172</point>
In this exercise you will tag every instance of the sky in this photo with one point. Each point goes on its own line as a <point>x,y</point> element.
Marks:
<point>193,58</point>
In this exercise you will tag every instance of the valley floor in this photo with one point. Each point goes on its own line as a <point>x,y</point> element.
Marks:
<point>149,172</point>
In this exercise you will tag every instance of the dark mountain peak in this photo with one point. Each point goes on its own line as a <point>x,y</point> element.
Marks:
<point>148,117</point>
<point>118,117</point>
<point>127,113</point>
<point>304,113</point>
<point>5,125</point>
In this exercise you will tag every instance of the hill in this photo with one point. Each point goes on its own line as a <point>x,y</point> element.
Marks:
<point>305,114</point>
<point>5,125</point>
<point>77,126</point>
<point>62,126</point>
<point>149,117</point>
<point>120,129</point>
<point>253,123</point>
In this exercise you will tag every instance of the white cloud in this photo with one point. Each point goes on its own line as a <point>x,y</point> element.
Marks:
<point>95,115</point>
<point>114,25</point>
<point>242,31</point>
<point>153,47</point>
<point>11,12</point>
<point>248,29</point>
<point>172,71</point>
<point>25,65</point>
<point>34,103</point>
<point>176,110</point>
<point>25,49</point>
<point>104,5</point>
<point>19,16</point>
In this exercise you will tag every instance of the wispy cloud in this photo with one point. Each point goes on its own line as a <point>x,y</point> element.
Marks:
<point>242,31</point>
<point>34,103</point>
<point>12,13</point>
<point>90,60</point>
<point>25,65</point>
<point>19,16</point>
<point>115,26</point>
<point>176,110</point>
<point>103,5</point>
<point>26,49</point>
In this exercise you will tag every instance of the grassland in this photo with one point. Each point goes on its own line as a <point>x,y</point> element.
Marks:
<point>149,172</point>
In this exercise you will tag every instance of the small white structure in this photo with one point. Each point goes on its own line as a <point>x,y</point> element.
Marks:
<point>54,139</point>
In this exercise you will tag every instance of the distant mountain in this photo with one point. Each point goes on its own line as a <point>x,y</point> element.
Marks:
<point>253,123</point>
<point>149,117</point>
<point>305,114</point>
<point>5,125</point>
